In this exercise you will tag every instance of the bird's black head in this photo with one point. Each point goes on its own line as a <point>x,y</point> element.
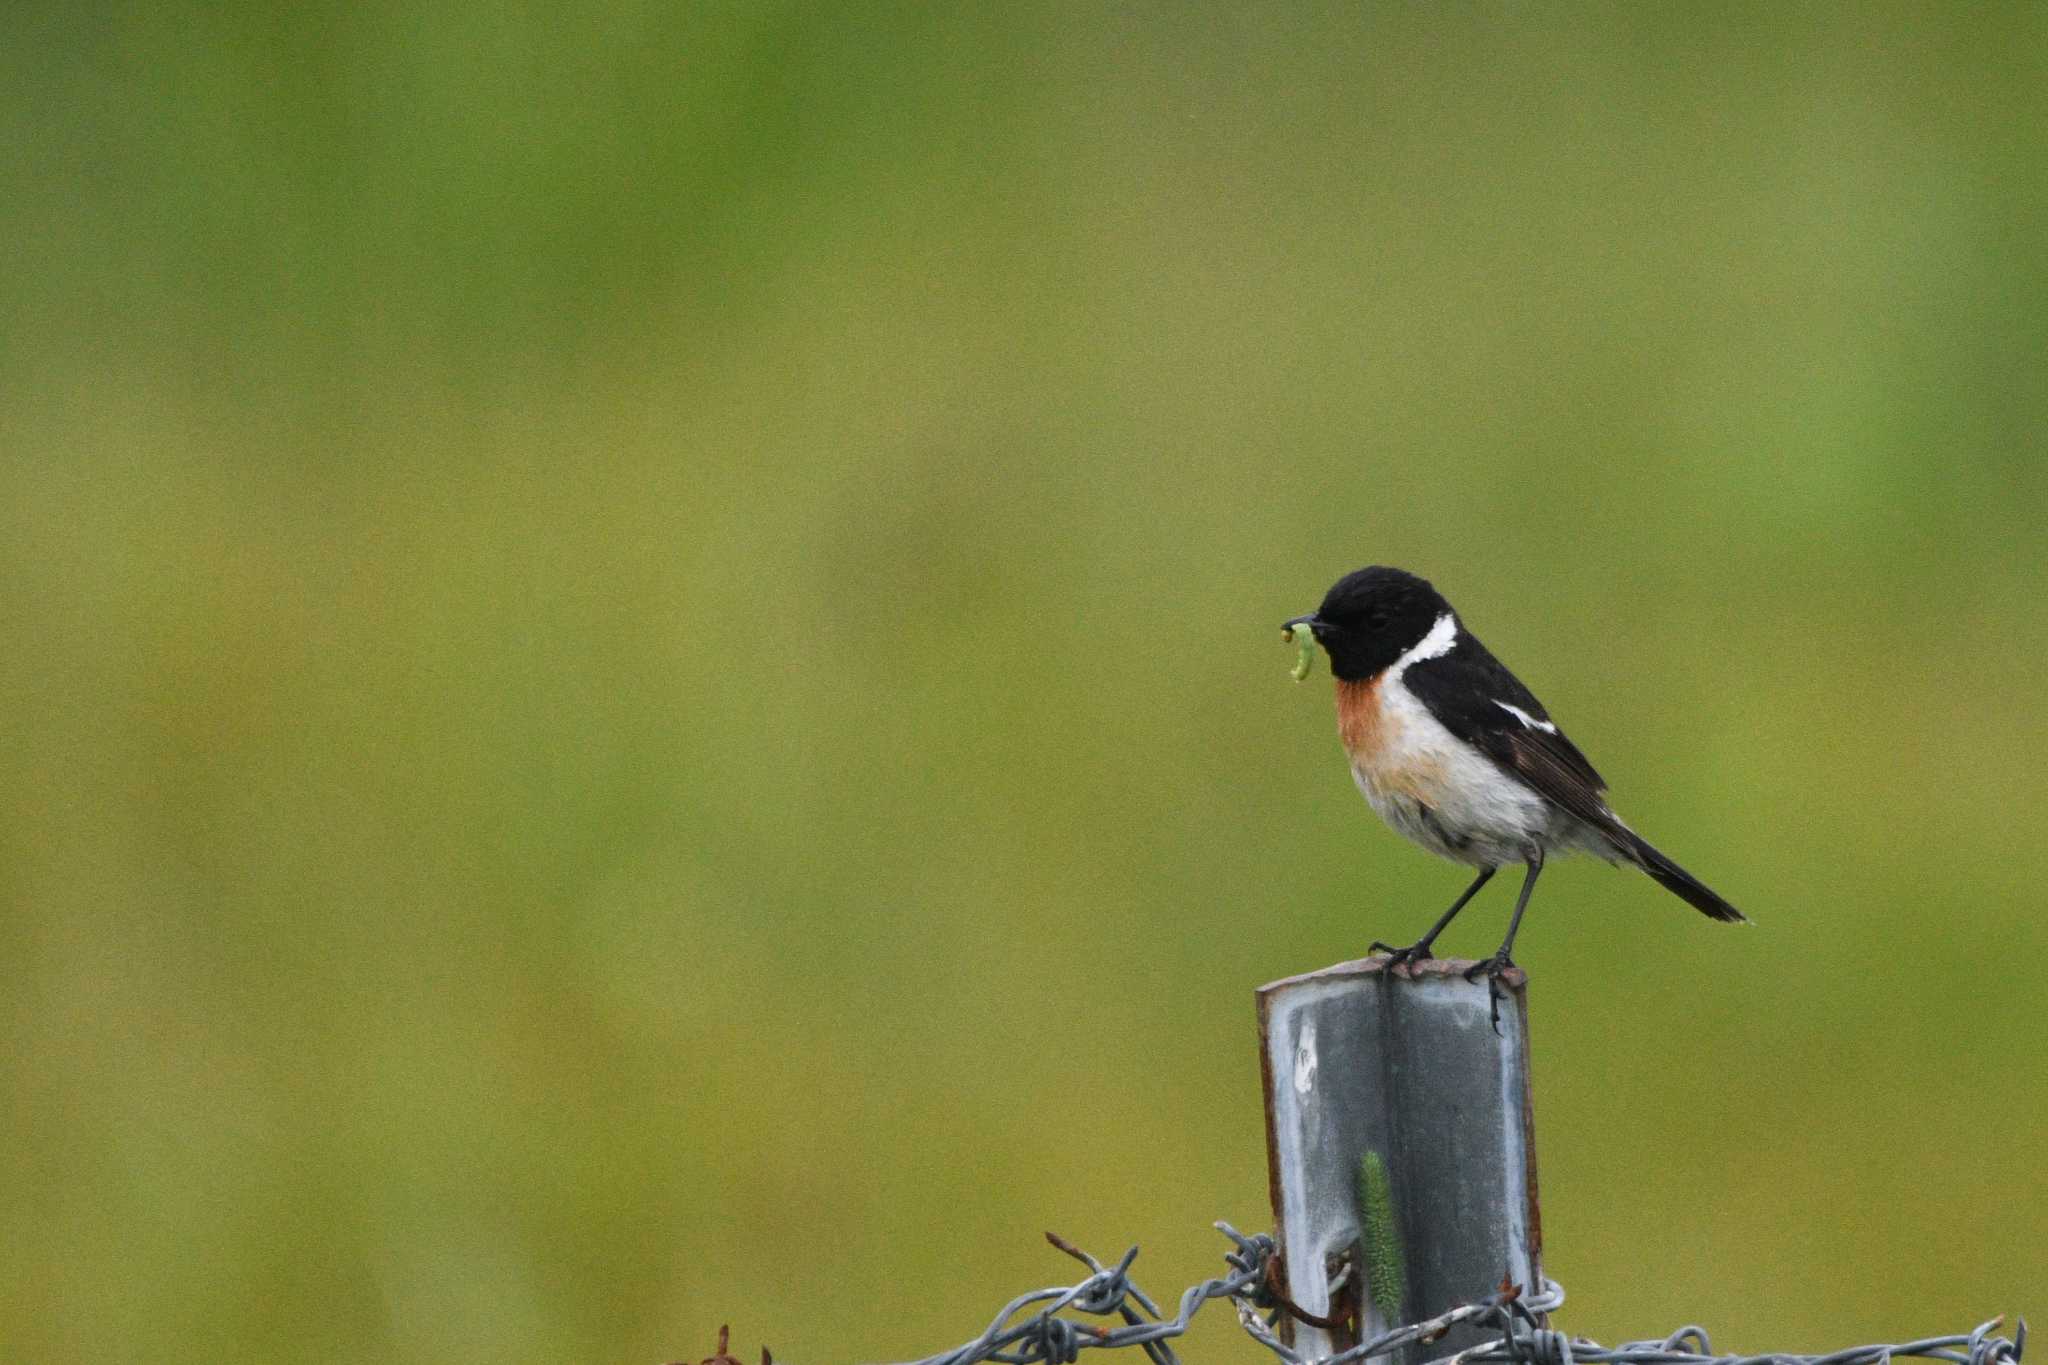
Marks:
<point>1370,618</point>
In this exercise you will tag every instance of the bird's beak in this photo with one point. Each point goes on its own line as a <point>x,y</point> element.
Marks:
<point>1288,628</point>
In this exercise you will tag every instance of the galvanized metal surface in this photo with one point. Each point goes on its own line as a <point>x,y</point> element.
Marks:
<point>1408,1065</point>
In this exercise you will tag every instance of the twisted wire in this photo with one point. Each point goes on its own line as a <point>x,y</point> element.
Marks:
<point>1029,1330</point>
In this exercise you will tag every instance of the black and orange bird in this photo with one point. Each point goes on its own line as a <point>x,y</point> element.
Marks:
<point>1457,755</point>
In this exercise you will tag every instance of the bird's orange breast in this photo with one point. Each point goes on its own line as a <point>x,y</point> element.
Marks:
<point>1361,724</point>
<point>1384,758</point>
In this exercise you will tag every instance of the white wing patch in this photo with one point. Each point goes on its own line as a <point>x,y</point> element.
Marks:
<point>1523,716</point>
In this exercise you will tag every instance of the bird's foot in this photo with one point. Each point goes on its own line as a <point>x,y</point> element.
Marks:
<point>1492,969</point>
<point>1492,966</point>
<point>1401,957</point>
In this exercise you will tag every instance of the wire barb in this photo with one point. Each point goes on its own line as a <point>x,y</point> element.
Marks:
<point>1029,1330</point>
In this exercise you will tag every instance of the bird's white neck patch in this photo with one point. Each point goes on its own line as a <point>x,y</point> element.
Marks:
<point>1442,636</point>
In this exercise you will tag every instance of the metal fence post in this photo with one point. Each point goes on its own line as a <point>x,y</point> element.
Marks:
<point>1403,1072</point>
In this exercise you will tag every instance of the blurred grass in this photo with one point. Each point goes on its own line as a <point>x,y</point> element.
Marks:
<point>642,676</point>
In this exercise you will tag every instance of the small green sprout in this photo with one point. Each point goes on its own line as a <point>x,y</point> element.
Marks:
<point>1304,641</point>
<point>1379,1237</point>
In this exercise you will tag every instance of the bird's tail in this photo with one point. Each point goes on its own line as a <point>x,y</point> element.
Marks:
<point>1678,881</point>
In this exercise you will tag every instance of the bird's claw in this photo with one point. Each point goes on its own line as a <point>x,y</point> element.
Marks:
<point>1492,966</point>
<point>1492,969</point>
<point>1401,957</point>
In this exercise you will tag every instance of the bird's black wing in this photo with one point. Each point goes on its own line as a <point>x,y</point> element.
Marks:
<point>1478,700</point>
<point>1471,693</point>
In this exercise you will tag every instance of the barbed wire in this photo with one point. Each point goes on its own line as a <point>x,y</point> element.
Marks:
<point>1029,1330</point>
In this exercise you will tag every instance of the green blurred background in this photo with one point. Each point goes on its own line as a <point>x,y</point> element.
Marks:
<point>641,671</point>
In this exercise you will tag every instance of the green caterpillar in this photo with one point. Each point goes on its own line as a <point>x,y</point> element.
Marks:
<point>1379,1238</point>
<point>1304,641</point>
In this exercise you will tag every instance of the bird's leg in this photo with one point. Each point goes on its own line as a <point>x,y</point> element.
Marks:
<point>1418,950</point>
<point>1492,968</point>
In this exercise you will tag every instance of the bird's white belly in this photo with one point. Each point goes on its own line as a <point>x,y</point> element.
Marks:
<point>1435,789</point>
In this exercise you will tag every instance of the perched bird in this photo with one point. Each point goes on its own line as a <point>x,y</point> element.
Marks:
<point>1453,752</point>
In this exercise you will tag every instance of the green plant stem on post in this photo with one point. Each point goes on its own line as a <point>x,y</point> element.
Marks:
<point>1379,1238</point>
